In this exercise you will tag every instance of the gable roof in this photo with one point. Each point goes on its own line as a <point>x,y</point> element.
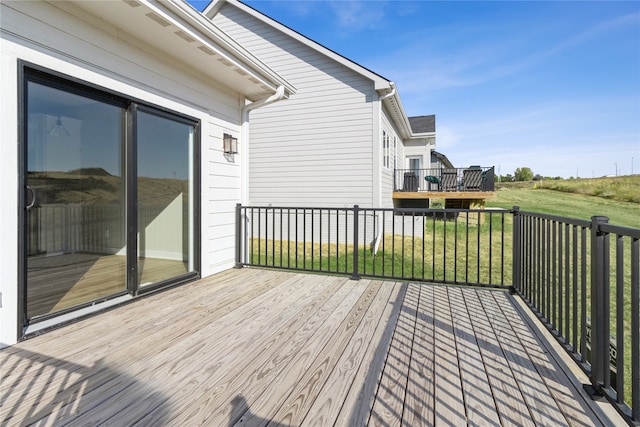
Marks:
<point>178,30</point>
<point>442,158</point>
<point>423,124</point>
<point>381,83</point>
<point>385,87</point>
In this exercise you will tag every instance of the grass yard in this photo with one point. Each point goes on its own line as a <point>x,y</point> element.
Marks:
<point>577,198</point>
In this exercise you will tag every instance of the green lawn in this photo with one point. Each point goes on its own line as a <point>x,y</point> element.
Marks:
<point>572,205</point>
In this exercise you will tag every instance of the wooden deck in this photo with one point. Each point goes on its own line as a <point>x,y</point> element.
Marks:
<point>255,347</point>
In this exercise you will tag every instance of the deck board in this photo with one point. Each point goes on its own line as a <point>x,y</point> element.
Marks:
<point>255,347</point>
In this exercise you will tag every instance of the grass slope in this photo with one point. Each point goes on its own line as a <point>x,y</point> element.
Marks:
<point>570,204</point>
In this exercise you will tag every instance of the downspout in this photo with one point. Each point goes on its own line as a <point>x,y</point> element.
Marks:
<point>244,135</point>
<point>244,160</point>
<point>376,241</point>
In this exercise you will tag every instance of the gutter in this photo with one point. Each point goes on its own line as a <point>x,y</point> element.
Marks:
<point>376,242</point>
<point>392,85</point>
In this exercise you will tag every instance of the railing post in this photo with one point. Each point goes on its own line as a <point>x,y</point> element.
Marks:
<point>238,235</point>
<point>355,274</point>
<point>599,304</point>
<point>516,250</point>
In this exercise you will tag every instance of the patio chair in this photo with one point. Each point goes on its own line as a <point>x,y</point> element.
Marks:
<point>472,179</point>
<point>410,182</point>
<point>449,180</point>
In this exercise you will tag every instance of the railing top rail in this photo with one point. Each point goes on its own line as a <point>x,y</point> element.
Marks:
<point>362,209</point>
<point>566,220</point>
<point>623,231</point>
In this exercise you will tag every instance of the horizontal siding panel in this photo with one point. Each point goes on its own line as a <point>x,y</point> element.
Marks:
<point>327,134</point>
<point>317,146</point>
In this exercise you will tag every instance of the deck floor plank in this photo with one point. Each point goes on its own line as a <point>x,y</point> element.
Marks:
<point>327,405</point>
<point>543,408</point>
<point>479,402</point>
<point>449,400</point>
<point>217,384</point>
<point>418,407</point>
<point>389,402</point>
<point>312,360</point>
<point>507,396</point>
<point>263,347</point>
<point>558,384</point>
<point>357,404</point>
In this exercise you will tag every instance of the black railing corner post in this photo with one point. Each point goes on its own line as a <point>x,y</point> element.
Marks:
<point>238,235</point>
<point>355,274</point>
<point>599,301</point>
<point>517,250</point>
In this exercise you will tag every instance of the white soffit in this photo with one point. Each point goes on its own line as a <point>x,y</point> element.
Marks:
<point>173,29</point>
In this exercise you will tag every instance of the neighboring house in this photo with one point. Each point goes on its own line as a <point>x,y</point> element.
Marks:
<point>114,181</point>
<point>440,161</point>
<point>337,142</point>
<point>424,129</point>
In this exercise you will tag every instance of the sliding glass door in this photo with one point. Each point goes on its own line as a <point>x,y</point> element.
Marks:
<point>164,195</point>
<point>109,205</point>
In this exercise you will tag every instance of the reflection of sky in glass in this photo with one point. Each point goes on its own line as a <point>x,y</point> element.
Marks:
<point>163,147</point>
<point>93,137</point>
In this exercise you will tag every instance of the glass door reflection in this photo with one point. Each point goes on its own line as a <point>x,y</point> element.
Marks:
<point>165,197</point>
<point>75,213</point>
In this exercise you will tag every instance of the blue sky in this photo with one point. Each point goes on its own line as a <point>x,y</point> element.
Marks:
<point>554,86</point>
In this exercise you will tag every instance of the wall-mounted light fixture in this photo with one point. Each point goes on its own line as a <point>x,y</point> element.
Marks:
<point>230,144</point>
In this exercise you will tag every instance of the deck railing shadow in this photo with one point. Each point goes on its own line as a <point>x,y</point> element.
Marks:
<point>78,399</point>
<point>582,288</point>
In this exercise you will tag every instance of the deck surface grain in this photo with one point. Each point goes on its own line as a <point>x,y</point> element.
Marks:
<point>255,347</point>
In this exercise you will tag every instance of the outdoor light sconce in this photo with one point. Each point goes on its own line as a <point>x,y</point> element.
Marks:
<point>230,144</point>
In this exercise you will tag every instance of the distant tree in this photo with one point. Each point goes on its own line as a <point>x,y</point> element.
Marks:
<point>507,178</point>
<point>538,177</point>
<point>523,174</point>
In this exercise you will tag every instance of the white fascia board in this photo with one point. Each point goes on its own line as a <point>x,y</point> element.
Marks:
<point>380,83</point>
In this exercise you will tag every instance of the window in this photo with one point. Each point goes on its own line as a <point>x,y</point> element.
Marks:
<point>395,153</point>
<point>110,206</point>
<point>385,149</point>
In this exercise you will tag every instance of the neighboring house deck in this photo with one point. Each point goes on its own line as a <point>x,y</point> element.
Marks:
<point>257,347</point>
<point>460,188</point>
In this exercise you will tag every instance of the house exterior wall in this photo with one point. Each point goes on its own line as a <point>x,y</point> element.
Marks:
<point>397,159</point>
<point>316,148</point>
<point>90,51</point>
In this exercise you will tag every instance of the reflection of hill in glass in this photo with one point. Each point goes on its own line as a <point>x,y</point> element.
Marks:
<point>96,186</point>
<point>152,191</point>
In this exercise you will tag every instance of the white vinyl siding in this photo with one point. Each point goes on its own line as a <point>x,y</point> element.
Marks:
<point>316,148</point>
<point>396,159</point>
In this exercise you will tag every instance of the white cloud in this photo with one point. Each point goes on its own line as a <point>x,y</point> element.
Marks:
<point>359,15</point>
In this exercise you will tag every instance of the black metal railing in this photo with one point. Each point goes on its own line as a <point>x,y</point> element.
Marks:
<point>564,268</point>
<point>439,245</point>
<point>561,267</point>
<point>473,178</point>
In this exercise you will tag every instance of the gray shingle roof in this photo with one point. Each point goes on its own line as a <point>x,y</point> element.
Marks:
<point>423,124</point>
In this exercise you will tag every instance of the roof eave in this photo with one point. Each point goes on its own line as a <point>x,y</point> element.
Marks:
<point>380,83</point>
